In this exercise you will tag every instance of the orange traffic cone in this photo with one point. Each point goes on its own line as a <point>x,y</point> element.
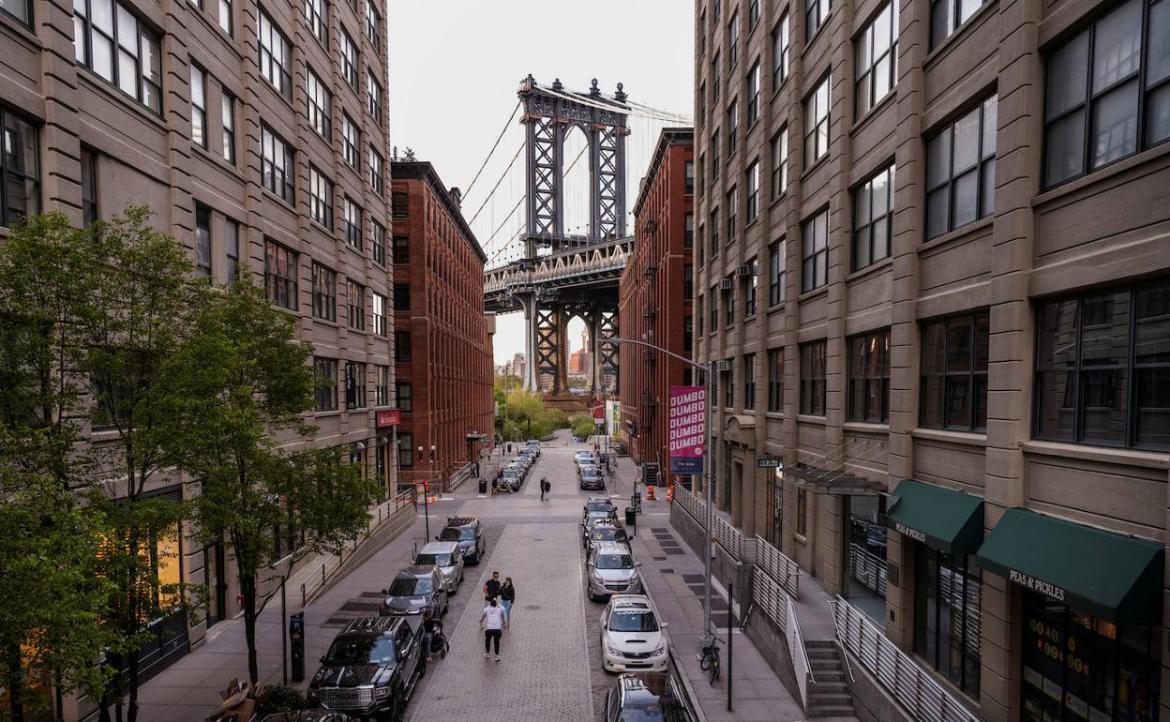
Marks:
<point>650,493</point>
<point>670,493</point>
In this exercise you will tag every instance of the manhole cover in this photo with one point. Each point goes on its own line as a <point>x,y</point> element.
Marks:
<point>536,538</point>
<point>532,606</point>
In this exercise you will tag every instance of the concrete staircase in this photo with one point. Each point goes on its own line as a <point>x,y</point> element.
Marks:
<point>830,696</point>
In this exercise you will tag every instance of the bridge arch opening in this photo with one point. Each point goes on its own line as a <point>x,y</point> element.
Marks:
<point>576,183</point>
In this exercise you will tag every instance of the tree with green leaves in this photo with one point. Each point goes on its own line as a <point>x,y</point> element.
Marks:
<point>246,384</point>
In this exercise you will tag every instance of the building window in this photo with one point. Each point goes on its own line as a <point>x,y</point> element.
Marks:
<point>729,300</point>
<point>816,12</point>
<point>873,218</point>
<point>349,60</point>
<point>316,12</point>
<point>699,314</point>
<point>732,126</point>
<point>355,385</point>
<point>750,287</point>
<point>401,249</point>
<point>320,198</point>
<point>753,191</point>
<point>714,232</point>
<point>402,346</point>
<point>753,89</point>
<point>325,369</point>
<point>400,205</point>
<point>324,292</point>
<point>373,96</point>
<point>227,111</point>
<point>954,373</point>
<point>276,166</point>
<point>198,106</point>
<point>355,304</point>
<point>947,15</point>
<point>1102,369</point>
<point>776,273</point>
<point>379,308</point>
<point>780,163</point>
<point>689,230</point>
<point>875,53</point>
<point>801,512</point>
<point>376,177</point>
<point>733,40</point>
<point>816,123</point>
<point>381,385</point>
<point>1097,85</point>
<point>203,240</point>
<point>727,382</point>
<point>688,282</point>
<point>373,25</point>
<point>280,275</point>
<point>713,311</point>
<point>349,141</point>
<point>732,207</point>
<point>699,246</point>
<point>405,450</point>
<point>225,17</point>
<point>776,380</point>
<point>405,394</point>
<point>378,243</point>
<point>21,10</point>
<point>124,52</point>
<point>753,14</point>
<point>749,382</point>
<point>689,175</point>
<point>89,208</point>
<point>715,169</point>
<point>869,377</point>
<point>947,613</point>
<point>780,53</point>
<point>401,296</point>
<point>232,250</point>
<point>814,256</point>
<point>320,104</point>
<point>960,171</point>
<point>353,223</point>
<point>275,57</point>
<point>812,378</point>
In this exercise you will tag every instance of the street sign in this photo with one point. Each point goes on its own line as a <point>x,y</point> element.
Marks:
<point>388,417</point>
<point>688,406</point>
<point>767,462</point>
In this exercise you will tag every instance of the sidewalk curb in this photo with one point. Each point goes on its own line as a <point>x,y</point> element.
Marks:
<point>675,661</point>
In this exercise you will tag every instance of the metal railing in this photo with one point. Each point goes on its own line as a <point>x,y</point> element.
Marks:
<point>868,568</point>
<point>903,678</point>
<point>775,603</point>
<point>724,534</point>
<point>783,570</point>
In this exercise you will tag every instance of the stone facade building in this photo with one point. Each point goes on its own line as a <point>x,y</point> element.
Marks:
<point>655,297</point>
<point>257,134</point>
<point>932,259</point>
<point>442,337</point>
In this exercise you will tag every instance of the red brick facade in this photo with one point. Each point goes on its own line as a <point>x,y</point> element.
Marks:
<point>654,297</point>
<point>443,339</point>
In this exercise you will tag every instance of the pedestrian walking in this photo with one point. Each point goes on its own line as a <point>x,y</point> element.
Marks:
<point>428,626</point>
<point>491,590</point>
<point>507,598</point>
<point>547,489</point>
<point>543,488</point>
<point>492,622</point>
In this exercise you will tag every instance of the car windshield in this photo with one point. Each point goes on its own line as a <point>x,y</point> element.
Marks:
<point>640,621</point>
<point>452,533</point>
<point>609,533</point>
<point>439,560</point>
<point>346,651</point>
<point>615,561</point>
<point>603,506</point>
<point>411,587</point>
<point>590,474</point>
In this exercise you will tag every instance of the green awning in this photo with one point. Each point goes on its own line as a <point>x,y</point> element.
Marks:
<point>947,520</point>
<point>1094,571</point>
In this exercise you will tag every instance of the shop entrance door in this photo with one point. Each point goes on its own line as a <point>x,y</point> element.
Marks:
<point>864,551</point>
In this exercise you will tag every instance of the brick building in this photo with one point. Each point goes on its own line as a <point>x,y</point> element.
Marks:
<point>256,132</point>
<point>654,297</point>
<point>442,337</point>
<point>955,217</point>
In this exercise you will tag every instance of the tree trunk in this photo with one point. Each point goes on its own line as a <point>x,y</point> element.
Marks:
<point>15,683</point>
<point>248,591</point>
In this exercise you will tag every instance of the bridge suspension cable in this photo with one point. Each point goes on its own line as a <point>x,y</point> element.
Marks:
<point>498,182</point>
<point>495,145</point>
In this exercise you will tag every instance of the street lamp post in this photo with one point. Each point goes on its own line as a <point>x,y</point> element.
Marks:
<point>708,370</point>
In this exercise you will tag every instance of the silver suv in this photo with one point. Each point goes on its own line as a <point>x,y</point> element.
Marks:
<point>612,570</point>
<point>447,557</point>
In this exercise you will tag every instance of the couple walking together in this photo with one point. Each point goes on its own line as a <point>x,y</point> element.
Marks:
<point>497,614</point>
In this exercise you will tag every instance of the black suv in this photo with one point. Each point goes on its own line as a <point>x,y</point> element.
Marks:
<point>469,533</point>
<point>416,589</point>
<point>372,668</point>
<point>647,696</point>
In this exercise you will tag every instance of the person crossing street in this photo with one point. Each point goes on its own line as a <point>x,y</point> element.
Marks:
<point>492,622</point>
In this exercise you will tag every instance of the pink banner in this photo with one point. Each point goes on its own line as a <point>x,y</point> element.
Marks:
<point>688,406</point>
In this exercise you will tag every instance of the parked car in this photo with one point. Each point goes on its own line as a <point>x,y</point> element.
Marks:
<point>611,569</point>
<point>583,456</point>
<point>306,715</point>
<point>534,445</point>
<point>606,532</point>
<point>595,517</point>
<point>632,638</point>
<point>646,696</point>
<point>415,590</point>
<point>591,479</point>
<point>445,556</point>
<point>371,668</point>
<point>469,533</point>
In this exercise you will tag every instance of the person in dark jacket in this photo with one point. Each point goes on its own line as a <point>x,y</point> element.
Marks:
<point>491,590</point>
<point>507,597</point>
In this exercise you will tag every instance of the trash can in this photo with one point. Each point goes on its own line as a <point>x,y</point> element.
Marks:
<point>482,486</point>
<point>630,516</point>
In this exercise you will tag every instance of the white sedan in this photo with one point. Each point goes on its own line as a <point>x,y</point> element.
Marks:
<point>632,638</point>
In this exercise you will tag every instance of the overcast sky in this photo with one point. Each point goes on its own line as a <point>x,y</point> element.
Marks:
<point>455,66</point>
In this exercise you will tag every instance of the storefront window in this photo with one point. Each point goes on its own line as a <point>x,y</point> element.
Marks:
<point>865,555</point>
<point>1078,667</point>
<point>947,603</point>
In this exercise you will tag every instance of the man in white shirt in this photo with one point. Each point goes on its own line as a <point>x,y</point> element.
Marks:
<point>492,622</point>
